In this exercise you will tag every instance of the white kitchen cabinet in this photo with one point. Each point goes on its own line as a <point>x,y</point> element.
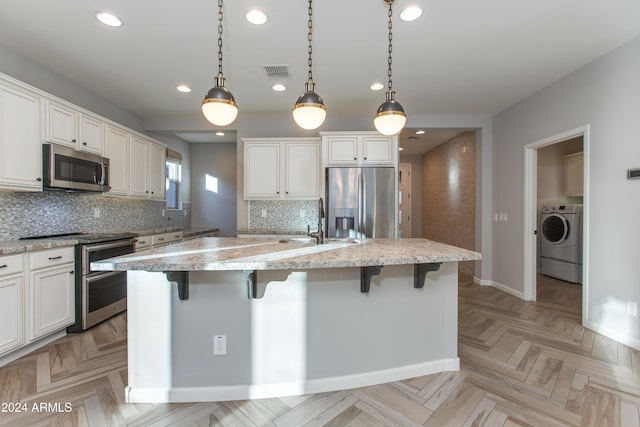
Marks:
<point>282,169</point>
<point>11,302</point>
<point>20,139</point>
<point>146,168</point>
<point>51,291</point>
<point>68,126</point>
<point>574,174</point>
<point>359,149</point>
<point>117,151</point>
<point>166,238</point>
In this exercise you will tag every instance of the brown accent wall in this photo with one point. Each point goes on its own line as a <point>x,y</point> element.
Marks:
<point>449,194</point>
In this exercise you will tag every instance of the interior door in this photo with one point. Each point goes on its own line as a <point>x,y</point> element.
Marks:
<point>404,200</point>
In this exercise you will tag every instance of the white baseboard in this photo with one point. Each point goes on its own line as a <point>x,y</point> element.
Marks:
<point>23,351</point>
<point>261,391</point>
<point>614,335</point>
<point>511,291</point>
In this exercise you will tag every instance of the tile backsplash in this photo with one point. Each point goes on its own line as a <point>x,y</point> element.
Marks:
<point>25,214</point>
<point>292,215</point>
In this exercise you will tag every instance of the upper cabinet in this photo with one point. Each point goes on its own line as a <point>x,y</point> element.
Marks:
<point>116,149</point>
<point>68,126</point>
<point>146,168</point>
<point>359,149</point>
<point>282,168</point>
<point>574,174</point>
<point>20,139</point>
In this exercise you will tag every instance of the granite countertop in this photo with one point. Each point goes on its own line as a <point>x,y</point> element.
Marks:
<point>282,232</point>
<point>271,254</point>
<point>9,247</point>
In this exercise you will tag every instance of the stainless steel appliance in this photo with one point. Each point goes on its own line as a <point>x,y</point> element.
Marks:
<point>361,202</point>
<point>67,169</point>
<point>99,294</point>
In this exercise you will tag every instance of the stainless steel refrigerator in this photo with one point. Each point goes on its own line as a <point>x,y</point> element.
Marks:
<point>361,202</point>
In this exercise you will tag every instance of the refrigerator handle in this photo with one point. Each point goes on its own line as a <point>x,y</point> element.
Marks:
<point>358,226</point>
<point>364,206</point>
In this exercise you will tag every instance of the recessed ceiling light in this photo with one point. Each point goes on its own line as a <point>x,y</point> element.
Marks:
<point>420,132</point>
<point>108,19</point>
<point>256,17</point>
<point>279,87</point>
<point>376,86</point>
<point>183,89</point>
<point>411,13</point>
<point>400,149</point>
<point>220,133</point>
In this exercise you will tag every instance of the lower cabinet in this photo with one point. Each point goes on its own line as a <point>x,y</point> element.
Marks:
<point>52,300</point>
<point>36,296</point>
<point>11,319</point>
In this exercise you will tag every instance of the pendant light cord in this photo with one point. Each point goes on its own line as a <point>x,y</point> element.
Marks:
<point>219,37</point>
<point>390,40</point>
<point>310,38</point>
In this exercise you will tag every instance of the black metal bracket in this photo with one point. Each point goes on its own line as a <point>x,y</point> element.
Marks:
<point>181,278</point>
<point>420,272</point>
<point>366,273</point>
<point>252,283</point>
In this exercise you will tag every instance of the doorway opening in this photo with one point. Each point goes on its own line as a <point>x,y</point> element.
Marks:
<point>549,184</point>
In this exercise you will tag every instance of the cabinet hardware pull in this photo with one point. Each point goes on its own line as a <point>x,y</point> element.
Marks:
<point>55,257</point>
<point>71,272</point>
<point>73,140</point>
<point>355,158</point>
<point>161,239</point>
<point>4,266</point>
<point>38,179</point>
<point>84,143</point>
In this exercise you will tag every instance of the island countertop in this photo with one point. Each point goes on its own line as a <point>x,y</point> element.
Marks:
<point>226,253</point>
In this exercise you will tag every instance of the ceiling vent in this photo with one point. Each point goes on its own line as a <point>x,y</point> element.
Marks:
<point>276,71</point>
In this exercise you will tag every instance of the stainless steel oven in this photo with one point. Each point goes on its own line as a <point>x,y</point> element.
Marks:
<point>100,294</point>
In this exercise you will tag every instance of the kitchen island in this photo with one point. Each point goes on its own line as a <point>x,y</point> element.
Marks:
<point>225,319</point>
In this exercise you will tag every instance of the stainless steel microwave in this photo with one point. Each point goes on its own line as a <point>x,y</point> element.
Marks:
<point>67,169</point>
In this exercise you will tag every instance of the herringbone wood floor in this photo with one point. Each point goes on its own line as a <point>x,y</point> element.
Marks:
<point>523,364</point>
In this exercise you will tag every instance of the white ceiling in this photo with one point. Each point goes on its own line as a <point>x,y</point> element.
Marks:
<point>460,57</point>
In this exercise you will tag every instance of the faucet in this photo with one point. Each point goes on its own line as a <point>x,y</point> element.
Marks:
<point>319,234</point>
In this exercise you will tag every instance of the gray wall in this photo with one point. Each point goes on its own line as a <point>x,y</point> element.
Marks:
<point>603,95</point>
<point>211,209</point>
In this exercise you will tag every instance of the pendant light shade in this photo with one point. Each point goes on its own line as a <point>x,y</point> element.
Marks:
<point>219,106</point>
<point>390,117</point>
<point>309,112</point>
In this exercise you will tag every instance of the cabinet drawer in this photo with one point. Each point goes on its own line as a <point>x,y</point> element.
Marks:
<point>50,258</point>
<point>143,242</point>
<point>164,238</point>
<point>11,264</point>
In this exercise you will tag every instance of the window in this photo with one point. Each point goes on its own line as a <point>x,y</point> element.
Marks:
<point>174,177</point>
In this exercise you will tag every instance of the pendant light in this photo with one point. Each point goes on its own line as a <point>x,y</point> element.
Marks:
<point>219,105</point>
<point>390,117</point>
<point>309,111</point>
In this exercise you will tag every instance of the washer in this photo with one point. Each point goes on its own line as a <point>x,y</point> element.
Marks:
<point>561,240</point>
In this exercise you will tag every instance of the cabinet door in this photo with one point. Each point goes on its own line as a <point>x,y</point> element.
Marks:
<point>138,167</point>
<point>262,170</point>
<point>117,151</point>
<point>52,299</point>
<point>62,125</point>
<point>11,335</point>
<point>20,145</point>
<point>302,170</point>
<point>342,150</point>
<point>377,150</point>
<point>91,134</point>
<point>157,184</point>
<point>574,175</point>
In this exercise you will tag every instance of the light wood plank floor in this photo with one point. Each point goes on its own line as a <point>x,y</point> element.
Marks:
<point>523,364</point>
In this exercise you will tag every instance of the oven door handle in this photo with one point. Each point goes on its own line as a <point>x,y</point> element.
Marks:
<point>89,279</point>
<point>98,247</point>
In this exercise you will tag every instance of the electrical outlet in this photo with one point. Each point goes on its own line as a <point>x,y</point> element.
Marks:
<point>96,212</point>
<point>219,345</point>
<point>302,213</point>
<point>264,213</point>
<point>164,212</point>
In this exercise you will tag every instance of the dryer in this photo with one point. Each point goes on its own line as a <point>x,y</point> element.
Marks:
<point>561,242</point>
